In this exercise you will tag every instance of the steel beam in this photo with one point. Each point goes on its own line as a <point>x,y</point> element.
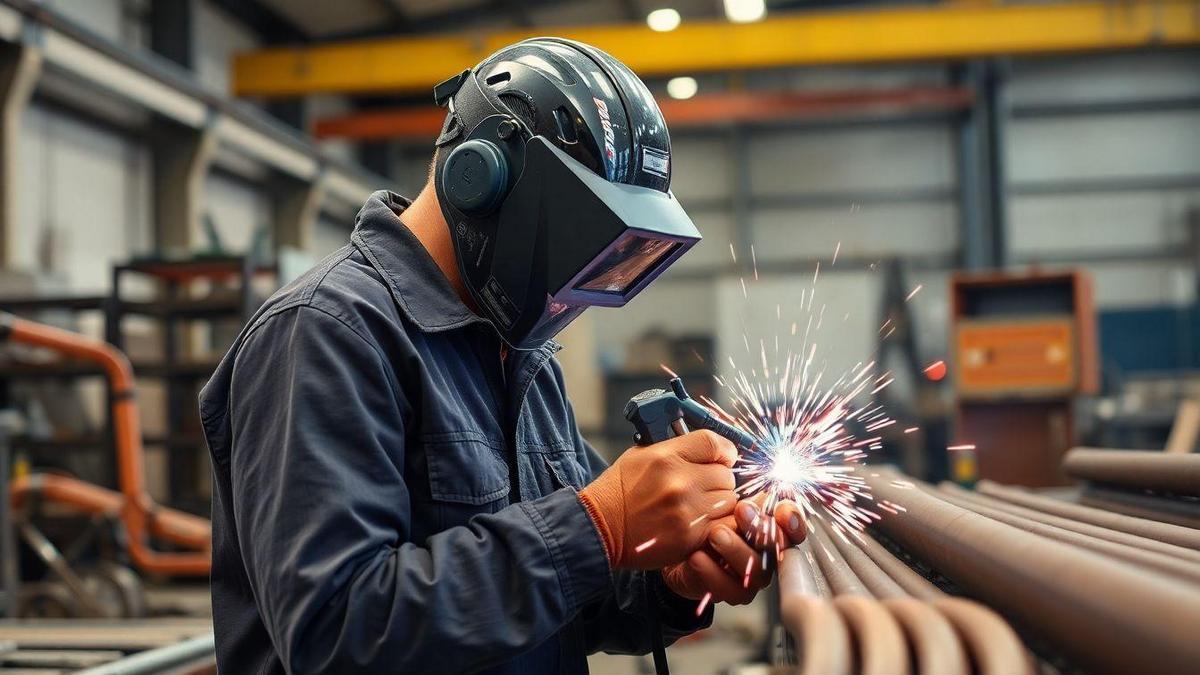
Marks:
<point>995,97</point>
<point>969,165</point>
<point>181,156</point>
<point>20,67</point>
<point>947,31</point>
<point>297,205</point>
<point>724,110</point>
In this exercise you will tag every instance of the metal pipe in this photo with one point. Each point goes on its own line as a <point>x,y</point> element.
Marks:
<point>1164,532</point>
<point>1094,531</point>
<point>841,578</point>
<point>995,649</point>
<point>872,576</point>
<point>806,579</point>
<point>1149,470</point>
<point>139,514</point>
<point>914,584</point>
<point>878,636</point>
<point>1107,615</point>
<point>1172,511</point>
<point>935,645</point>
<point>160,659</point>
<point>816,625</point>
<point>1154,561</point>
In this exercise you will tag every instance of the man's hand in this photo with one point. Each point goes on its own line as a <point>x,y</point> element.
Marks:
<point>732,568</point>
<point>654,504</point>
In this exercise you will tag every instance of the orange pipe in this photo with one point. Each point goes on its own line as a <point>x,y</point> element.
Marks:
<point>717,109</point>
<point>137,511</point>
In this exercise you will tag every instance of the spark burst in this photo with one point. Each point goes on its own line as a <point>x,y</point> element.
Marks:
<point>808,448</point>
<point>806,421</point>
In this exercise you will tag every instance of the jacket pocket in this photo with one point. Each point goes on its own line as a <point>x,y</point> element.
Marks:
<point>465,467</point>
<point>565,469</point>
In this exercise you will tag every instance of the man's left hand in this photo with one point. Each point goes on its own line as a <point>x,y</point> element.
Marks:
<point>731,567</point>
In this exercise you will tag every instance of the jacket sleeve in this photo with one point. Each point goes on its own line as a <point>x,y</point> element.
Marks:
<point>619,622</point>
<point>322,515</point>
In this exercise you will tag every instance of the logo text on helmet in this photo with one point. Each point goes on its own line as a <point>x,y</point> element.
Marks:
<point>610,151</point>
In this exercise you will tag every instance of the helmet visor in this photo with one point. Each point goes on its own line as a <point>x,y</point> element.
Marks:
<point>572,239</point>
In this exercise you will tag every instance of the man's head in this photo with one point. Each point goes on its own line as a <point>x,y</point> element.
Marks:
<point>553,173</point>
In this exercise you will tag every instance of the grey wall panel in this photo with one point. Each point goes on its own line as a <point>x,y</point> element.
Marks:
<point>1106,78</point>
<point>874,230</point>
<point>848,77</point>
<point>702,167</point>
<point>328,236</point>
<point>846,336</point>
<point>713,250</point>
<point>678,308</point>
<point>874,158</point>
<point>85,200</point>
<point>1096,146</point>
<point>1045,225</point>
<point>237,209</point>
<point>219,37</point>
<point>103,17</point>
<point>1140,284</point>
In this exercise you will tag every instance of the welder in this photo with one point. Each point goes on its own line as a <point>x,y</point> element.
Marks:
<point>400,483</point>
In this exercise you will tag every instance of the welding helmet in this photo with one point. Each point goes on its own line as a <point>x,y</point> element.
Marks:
<point>553,172</point>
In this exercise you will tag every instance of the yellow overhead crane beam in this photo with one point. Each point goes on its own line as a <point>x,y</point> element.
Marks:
<point>950,31</point>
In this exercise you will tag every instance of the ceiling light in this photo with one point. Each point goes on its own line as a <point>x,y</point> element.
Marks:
<point>663,20</point>
<point>745,11</point>
<point>682,87</point>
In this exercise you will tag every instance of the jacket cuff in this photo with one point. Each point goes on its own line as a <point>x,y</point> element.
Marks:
<point>574,544</point>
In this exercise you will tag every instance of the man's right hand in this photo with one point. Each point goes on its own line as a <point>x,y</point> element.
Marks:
<point>665,494</point>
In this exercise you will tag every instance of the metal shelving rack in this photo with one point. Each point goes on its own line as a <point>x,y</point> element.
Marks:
<point>174,306</point>
<point>183,377</point>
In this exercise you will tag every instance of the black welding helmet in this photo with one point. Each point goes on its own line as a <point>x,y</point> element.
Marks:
<point>553,172</point>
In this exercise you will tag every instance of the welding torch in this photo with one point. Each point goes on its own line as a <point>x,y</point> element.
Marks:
<point>660,414</point>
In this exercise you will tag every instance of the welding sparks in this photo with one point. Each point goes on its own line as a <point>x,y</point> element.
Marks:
<point>813,427</point>
<point>645,544</point>
<point>967,446</point>
<point>913,292</point>
<point>807,423</point>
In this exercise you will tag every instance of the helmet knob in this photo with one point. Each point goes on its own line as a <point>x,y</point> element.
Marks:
<point>475,177</point>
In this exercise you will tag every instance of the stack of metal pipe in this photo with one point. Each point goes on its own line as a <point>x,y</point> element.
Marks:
<point>1000,580</point>
<point>1153,485</point>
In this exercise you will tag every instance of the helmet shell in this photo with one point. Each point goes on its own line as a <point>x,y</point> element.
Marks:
<point>586,103</point>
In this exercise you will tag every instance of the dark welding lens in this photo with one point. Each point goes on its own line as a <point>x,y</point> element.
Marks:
<point>626,263</point>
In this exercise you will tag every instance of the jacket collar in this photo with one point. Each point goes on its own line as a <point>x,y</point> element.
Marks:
<point>418,285</point>
<point>416,282</point>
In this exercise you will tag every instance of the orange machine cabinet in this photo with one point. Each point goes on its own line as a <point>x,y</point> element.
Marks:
<point>1024,346</point>
<point>1032,356</point>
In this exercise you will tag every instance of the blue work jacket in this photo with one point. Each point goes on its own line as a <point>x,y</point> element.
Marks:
<point>391,495</point>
